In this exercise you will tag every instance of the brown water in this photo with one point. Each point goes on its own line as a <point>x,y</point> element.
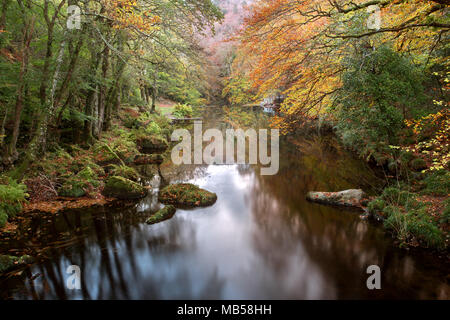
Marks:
<point>261,240</point>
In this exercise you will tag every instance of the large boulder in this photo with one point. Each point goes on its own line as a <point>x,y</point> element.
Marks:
<point>124,189</point>
<point>187,195</point>
<point>152,144</point>
<point>164,214</point>
<point>9,263</point>
<point>348,198</point>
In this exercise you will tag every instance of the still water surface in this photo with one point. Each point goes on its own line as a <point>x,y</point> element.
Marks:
<point>261,240</point>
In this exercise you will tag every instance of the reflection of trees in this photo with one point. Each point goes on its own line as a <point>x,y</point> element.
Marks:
<point>116,253</point>
<point>337,242</point>
<point>325,165</point>
<point>309,251</point>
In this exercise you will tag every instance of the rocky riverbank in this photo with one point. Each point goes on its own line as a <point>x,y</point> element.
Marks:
<point>84,175</point>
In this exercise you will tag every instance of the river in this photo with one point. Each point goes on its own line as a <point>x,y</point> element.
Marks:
<point>261,240</point>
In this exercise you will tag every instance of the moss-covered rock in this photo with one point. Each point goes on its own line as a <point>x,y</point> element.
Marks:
<point>187,195</point>
<point>122,188</point>
<point>116,147</point>
<point>125,172</point>
<point>8,263</point>
<point>165,213</point>
<point>152,144</point>
<point>348,198</point>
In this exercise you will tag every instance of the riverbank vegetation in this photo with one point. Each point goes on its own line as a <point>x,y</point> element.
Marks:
<point>377,72</point>
<point>78,97</point>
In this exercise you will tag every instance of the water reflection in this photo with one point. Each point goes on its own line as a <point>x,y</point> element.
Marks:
<point>261,240</point>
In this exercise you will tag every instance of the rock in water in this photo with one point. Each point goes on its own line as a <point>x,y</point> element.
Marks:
<point>187,195</point>
<point>348,198</point>
<point>165,213</point>
<point>124,189</point>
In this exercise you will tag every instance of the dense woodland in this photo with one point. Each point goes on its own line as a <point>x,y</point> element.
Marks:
<point>56,79</point>
<point>69,96</point>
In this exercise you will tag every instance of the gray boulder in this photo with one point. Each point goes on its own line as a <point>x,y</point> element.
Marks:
<point>348,198</point>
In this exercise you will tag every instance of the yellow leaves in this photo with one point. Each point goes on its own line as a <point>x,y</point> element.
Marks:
<point>128,14</point>
<point>436,147</point>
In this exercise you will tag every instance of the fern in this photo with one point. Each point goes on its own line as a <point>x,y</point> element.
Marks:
<point>12,196</point>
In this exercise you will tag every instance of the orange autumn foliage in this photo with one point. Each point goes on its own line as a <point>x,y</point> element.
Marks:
<point>298,47</point>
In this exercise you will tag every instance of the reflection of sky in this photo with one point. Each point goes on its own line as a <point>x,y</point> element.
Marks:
<point>260,240</point>
<point>202,253</point>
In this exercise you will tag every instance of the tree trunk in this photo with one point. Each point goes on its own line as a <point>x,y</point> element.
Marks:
<point>143,96</point>
<point>27,37</point>
<point>49,52</point>
<point>90,98</point>
<point>154,94</point>
<point>114,94</point>
<point>49,112</point>
<point>69,73</point>
<point>2,129</point>
<point>102,93</point>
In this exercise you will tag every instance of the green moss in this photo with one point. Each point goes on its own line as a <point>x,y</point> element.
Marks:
<point>151,144</point>
<point>152,128</point>
<point>116,147</point>
<point>125,172</point>
<point>164,214</point>
<point>183,111</point>
<point>122,188</point>
<point>188,195</point>
<point>8,263</point>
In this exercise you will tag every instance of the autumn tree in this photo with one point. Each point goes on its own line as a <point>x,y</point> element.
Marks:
<point>298,46</point>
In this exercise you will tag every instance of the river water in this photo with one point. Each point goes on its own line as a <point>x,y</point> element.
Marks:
<point>261,240</point>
